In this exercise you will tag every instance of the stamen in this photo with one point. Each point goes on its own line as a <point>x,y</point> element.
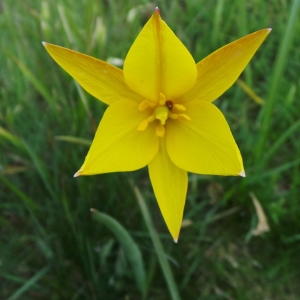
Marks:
<point>145,104</point>
<point>183,117</point>
<point>162,99</point>
<point>173,116</point>
<point>180,117</point>
<point>151,118</point>
<point>179,107</point>
<point>162,110</point>
<point>144,124</point>
<point>160,130</point>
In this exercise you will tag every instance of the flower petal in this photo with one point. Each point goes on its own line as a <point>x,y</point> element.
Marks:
<point>100,79</point>
<point>158,62</point>
<point>218,71</point>
<point>170,188</point>
<point>118,145</point>
<point>205,144</point>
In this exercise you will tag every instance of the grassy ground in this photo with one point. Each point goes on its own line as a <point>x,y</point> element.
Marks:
<point>51,248</point>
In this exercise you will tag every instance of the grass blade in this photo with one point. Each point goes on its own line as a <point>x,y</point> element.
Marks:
<point>35,82</point>
<point>281,140</point>
<point>27,285</point>
<point>129,246</point>
<point>36,161</point>
<point>40,169</point>
<point>73,139</point>
<point>166,269</point>
<point>278,72</point>
<point>65,24</point>
<point>277,170</point>
<point>28,203</point>
<point>10,137</point>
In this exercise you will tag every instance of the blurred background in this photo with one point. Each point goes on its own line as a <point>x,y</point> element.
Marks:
<point>240,237</point>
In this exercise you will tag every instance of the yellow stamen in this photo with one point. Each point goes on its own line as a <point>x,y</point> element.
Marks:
<point>173,116</point>
<point>144,124</point>
<point>145,104</point>
<point>183,117</point>
<point>162,99</point>
<point>180,117</point>
<point>160,130</point>
<point>161,114</point>
<point>179,107</point>
<point>151,118</point>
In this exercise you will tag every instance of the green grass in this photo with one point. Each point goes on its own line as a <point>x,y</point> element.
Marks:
<point>52,248</point>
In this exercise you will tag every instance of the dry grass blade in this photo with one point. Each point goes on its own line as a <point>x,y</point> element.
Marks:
<point>262,225</point>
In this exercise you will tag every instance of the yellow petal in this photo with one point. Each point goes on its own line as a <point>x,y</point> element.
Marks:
<point>205,144</point>
<point>100,79</point>
<point>158,62</point>
<point>118,145</point>
<point>218,71</point>
<point>170,188</point>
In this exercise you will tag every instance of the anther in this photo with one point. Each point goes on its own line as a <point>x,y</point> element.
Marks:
<point>169,104</point>
<point>173,116</point>
<point>144,124</point>
<point>183,117</point>
<point>179,107</point>
<point>145,104</point>
<point>180,117</point>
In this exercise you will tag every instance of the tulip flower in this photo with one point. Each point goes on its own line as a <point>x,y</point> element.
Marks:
<point>160,111</point>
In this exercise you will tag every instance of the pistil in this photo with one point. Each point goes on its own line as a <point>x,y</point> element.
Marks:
<point>161,113</point>
<point>160,130</point>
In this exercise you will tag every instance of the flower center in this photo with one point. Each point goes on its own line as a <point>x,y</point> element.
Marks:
<point>162,111</point>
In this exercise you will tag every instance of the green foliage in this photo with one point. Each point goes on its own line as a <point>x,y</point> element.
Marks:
<point>51,248</point>
<point>129,246</point>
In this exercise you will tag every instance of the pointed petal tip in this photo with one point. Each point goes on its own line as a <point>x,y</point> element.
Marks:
<point>44,44</point>
<point>265,30</point>
<point>156,13</point>
<point>92,210</point>
<point>78,173</point>
<point>242,173</point>
<point>175,238</point>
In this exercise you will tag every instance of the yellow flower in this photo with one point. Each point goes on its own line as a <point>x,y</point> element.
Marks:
<point>160,112</point>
